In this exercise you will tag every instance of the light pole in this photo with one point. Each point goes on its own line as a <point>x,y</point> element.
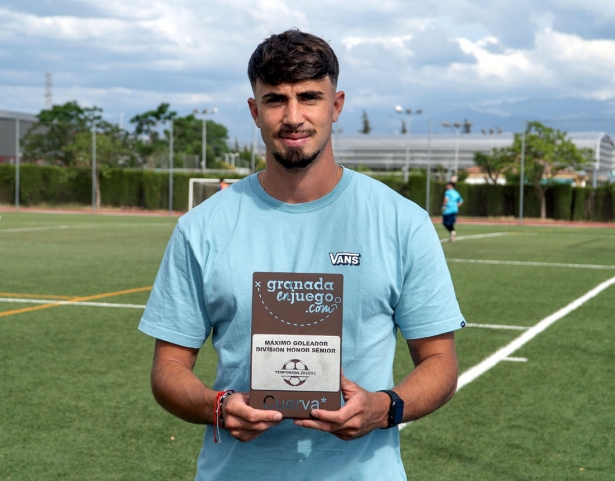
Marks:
<point>456,127</point>
<point>400,110</point>
<point>94,165</point>
<point>171,162</point>
<point>17,149</point>
<point>334,134</point>
<point>205,112</point>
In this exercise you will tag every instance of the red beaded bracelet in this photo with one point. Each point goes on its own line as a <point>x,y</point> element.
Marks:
<point>218,418</point>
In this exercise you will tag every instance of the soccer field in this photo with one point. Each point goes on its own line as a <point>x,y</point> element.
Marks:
<point>537,359</point>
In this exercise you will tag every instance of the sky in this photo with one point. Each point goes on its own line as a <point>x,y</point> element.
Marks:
<point>493,62</point>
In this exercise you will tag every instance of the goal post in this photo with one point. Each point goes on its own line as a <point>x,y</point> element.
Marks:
<point>200,189</point>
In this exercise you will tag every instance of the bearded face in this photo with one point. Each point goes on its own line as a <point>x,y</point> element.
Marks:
<point>294,157</point>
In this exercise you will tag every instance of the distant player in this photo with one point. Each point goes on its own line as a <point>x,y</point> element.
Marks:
<point>222,185</point>
<point>450,207</point>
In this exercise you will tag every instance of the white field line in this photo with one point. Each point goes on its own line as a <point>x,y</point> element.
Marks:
<point>534,264</point>
<point>51,227</point>
<point>137,306</point>
<point>515,359</point>
<point>498,326</point>
<point>484,366</point>
<point>505,352</point>
<point>69,303</point>
<point>477,236</point>
<point>82,226</point>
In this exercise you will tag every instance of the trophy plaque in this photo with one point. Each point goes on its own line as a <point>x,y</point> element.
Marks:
<point>296,354</point>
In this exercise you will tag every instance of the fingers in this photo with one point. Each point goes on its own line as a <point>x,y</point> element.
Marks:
<point>363,412</point>
<point>244,422</point>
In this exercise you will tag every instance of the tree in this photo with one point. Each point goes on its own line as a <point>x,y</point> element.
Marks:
<point>63,136</point>
<point>495,163</point>
<point>188,138</point>
<point>547,152</point>
<point>55,129</point>
<point>113,148</point>
<point>404,129</point>
<point>366,126</point>
<point>147,130</point>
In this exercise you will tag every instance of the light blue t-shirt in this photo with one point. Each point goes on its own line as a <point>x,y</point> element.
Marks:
<point>204,288</point>
<point>452,198</point>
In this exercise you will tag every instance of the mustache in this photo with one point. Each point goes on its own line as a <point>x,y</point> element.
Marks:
<point>278,133</point>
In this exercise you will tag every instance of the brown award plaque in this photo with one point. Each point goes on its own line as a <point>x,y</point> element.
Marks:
<point>296,352</point>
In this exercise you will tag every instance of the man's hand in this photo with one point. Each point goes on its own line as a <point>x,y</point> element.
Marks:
<point>363,412</point>
<point>243,422</point>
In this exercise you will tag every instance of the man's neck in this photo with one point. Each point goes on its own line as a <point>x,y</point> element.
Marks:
<point>297,186</point>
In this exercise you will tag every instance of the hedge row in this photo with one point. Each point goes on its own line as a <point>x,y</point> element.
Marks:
<point>150,190</point>
<point>118,187</point>
<point>563,202</point>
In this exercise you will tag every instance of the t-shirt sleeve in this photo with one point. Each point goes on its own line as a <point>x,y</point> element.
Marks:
<point>175,311</point>
<point>427,305</point>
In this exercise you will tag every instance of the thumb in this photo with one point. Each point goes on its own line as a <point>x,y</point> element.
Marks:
<point>349,388</point>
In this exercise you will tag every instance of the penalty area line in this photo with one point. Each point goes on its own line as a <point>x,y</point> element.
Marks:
<point>501,354</point>
<point>477,236</point>
<point>505,353</point>
<point>49,305</point>
<point>69,303</point>
<point>532,264</point>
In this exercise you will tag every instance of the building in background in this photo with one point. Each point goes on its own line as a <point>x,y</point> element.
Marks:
<point>395,152</point>
<point>8,125</point>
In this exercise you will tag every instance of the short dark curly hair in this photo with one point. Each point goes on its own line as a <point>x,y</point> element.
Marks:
<point>292,56</point>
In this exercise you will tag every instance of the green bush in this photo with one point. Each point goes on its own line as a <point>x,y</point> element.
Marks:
<point>559,202</point>
<point>150,190</point>
<point>122,188</point>
<point>7,184</point>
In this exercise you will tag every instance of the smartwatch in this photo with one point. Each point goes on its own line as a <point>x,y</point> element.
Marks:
<point>396,411</point>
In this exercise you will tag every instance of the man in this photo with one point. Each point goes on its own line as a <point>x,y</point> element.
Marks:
<point>222,185</point>
<point>450,207</point>
<point>293,217</point>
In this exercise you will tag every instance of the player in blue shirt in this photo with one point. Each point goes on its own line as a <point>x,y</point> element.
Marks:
<point>450,207</point>
<point>303,214</point>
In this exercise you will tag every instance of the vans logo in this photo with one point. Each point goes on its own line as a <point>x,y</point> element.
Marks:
<point>345,259</point>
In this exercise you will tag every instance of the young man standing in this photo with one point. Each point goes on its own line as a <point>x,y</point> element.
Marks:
<point>294,217</point>
<point>450,207</point>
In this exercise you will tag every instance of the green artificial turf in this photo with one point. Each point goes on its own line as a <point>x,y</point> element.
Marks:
<point>74,383</point>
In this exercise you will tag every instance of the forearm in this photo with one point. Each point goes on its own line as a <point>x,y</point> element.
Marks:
<point>430,385</point>
<point>177,389</point>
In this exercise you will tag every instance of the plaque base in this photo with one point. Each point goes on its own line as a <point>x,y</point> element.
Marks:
<point>295,405</point>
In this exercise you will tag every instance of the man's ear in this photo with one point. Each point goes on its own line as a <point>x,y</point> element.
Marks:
<point>338,104</point>
<point>254,111</point>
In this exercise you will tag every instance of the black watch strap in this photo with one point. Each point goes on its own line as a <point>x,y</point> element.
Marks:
<point>396,410</point>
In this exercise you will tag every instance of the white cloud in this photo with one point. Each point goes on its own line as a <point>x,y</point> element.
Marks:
<point>458,54</point>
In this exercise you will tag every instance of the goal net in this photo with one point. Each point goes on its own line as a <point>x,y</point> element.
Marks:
<point>201,189</point>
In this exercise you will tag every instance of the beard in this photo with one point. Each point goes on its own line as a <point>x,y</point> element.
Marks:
<point>294,157</point>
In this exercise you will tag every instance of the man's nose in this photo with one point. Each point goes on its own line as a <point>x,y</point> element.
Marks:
<point>293,116</point>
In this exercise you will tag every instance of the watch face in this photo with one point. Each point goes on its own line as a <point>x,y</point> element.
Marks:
<point>397,412</point>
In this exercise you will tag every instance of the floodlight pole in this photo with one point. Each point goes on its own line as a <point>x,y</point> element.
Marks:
<point>17,149</point>
<point>456,126</point>
<point>204,141</point>
<point>171,169</point>
<point>94,165</point>
<point>399,109</point>
<point>253,155</point>
<point>457,150</point>
<point>428,187</point>
<point>522,173</point>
